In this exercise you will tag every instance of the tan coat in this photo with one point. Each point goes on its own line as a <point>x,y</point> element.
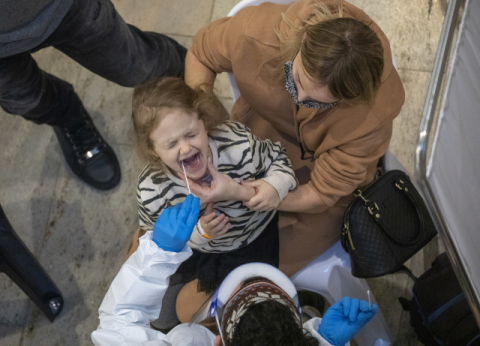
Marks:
<point>345,141</point>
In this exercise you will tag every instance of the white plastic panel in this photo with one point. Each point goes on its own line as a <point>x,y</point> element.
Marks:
<point>454,167</point>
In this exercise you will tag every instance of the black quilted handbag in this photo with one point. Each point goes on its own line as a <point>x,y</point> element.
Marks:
<point>385,225</point>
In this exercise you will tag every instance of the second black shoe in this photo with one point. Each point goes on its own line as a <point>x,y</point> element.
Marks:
<point>88,155</point>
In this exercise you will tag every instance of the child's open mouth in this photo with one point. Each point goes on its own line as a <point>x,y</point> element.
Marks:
<point>195,166</point>
<point>192,162</point>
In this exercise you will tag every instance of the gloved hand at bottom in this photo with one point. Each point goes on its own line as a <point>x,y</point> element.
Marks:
<point>344,319</point>
<point>174,226</point>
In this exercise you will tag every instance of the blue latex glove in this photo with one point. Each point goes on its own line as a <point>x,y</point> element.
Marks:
<point>174,226</point>
<point>344,319</point>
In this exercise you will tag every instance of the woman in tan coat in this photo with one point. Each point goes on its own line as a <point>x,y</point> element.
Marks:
<point>319,78</point>
<point>342,60</point>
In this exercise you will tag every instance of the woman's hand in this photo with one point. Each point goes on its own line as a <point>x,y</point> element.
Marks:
<point>197,74</point>
<point>214,226</point>
<point>222,188</point>
<point>266,197</point>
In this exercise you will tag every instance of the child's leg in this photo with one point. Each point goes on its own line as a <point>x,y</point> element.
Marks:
<point>189,300</point>
<point>184,275</point>
<point>168,315</point>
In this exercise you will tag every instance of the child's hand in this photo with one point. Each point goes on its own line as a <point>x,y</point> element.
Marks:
<point>214,226</point>
<point>265,199</point>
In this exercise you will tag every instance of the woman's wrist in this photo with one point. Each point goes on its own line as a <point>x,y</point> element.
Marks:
<point>197,73</point>
<point>303,199</point>
<point>244,193</point>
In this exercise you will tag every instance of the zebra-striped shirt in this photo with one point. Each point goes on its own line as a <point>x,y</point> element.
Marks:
<point>239,154</point>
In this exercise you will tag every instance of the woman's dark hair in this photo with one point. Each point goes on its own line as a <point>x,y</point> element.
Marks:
<point>341,52</point>
<point>345,54</point>
<point>270,324</point>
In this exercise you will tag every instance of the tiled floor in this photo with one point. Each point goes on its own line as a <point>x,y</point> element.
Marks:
<point>78,234</point>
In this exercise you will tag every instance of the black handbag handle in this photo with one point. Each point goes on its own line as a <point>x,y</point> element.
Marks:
<point>420,216</point>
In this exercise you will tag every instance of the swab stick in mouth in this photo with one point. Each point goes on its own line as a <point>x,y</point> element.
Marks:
<point>186,178</point>
<point>369,301</point>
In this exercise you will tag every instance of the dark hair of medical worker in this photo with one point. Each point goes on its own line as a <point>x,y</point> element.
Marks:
<point>270,323</point>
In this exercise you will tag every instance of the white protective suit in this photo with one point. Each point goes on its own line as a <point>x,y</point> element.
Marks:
<point>135,298</point>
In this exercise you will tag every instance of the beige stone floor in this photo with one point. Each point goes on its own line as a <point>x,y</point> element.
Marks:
<point>78,234</point>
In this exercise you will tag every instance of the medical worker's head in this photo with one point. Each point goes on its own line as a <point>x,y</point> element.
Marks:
<point>257,304</point>
<point>261,313</point>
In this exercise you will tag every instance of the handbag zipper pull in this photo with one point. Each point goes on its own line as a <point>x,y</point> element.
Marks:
<point>346,230</point>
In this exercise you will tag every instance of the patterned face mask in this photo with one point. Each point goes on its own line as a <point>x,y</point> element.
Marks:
<point>292,90</point>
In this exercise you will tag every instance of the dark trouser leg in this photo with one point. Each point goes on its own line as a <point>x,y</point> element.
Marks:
<point>21,266</point>
<point>38,96</point>
<point>168,315</point>
<point>93,34</point>
<point>34,94</point>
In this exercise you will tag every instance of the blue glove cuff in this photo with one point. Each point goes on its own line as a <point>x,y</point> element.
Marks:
<point>166,247</point>
<point>170,248</point>
<point>326,337</point>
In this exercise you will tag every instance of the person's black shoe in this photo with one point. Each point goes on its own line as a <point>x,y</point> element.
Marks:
<point>88,155</point>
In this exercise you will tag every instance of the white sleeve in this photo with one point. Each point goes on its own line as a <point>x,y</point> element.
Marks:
<point>311,326</point>
<point>135,297</point>
<point>195,335</point>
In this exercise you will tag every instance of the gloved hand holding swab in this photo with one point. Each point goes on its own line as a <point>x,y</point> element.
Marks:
<point>345,318</point>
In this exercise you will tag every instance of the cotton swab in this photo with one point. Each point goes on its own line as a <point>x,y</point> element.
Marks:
<point>369,301</point>
<point>186,179</point>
